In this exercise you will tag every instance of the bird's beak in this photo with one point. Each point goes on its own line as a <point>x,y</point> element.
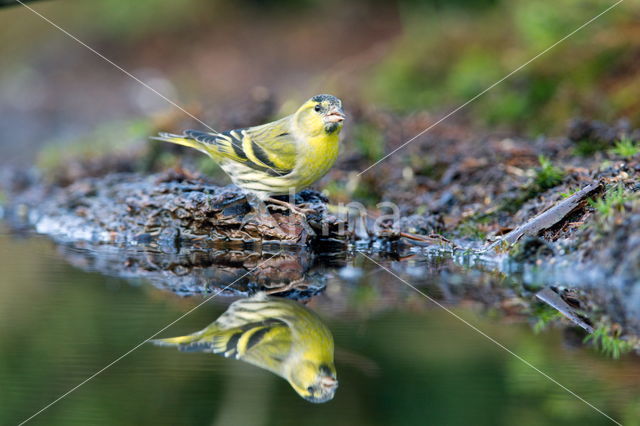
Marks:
<point>328,382</point>
<point>335,116</point>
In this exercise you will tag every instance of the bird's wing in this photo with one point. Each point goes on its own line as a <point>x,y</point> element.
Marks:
<point>264,343</point>
<point>268,148</point>
<point>256,330</point>
<point>272,144</point>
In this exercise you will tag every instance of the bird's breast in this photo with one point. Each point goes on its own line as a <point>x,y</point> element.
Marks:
<point>319,154</point>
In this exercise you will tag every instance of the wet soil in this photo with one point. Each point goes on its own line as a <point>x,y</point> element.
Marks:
<point>169,210</point>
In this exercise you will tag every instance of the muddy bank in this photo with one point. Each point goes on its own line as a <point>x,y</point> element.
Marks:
<point>168,210</point>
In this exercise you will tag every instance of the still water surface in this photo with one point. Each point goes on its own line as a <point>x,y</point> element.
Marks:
<point>400,360</point>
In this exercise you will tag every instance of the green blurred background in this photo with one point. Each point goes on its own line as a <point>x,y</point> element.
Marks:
<point>231,63</point>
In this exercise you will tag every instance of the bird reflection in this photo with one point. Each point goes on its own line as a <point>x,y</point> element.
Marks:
<point>279,335</point>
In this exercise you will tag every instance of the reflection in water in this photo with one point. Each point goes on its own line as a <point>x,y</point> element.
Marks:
<point>430,367</point>
<point>290,272</point>
<point>279,335</point>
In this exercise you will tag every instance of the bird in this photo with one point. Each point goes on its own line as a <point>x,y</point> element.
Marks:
<point>277,158</point>
<point>276,334</point>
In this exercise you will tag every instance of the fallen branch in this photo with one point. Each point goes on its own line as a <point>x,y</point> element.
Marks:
<point>551,217</point>
<point>554,300</point>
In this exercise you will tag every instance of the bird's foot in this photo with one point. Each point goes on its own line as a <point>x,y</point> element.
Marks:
<point>260,216</point>
<point>300,211</point>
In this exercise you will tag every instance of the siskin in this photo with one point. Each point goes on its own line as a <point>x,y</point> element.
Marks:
<point>276,158</point>
<point>279,335</point>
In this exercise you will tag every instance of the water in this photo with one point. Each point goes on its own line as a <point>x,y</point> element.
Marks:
<point>400,359</point>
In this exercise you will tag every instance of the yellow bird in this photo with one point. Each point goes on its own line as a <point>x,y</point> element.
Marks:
<point>279,335</point>
<point>277,158</point>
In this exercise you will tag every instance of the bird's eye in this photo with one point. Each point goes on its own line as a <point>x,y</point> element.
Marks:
<point>317,108</point>
<point>310,389</point>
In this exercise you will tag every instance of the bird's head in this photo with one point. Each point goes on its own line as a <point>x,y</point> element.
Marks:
<point>314,382</point>
<point>321,113</point>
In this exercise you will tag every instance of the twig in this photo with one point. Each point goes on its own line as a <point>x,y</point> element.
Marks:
<point>550,217</point>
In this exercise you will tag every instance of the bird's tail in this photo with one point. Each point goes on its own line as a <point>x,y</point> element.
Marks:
<point>211,339</point>
<point>188,343</point>
<point>184,140</point>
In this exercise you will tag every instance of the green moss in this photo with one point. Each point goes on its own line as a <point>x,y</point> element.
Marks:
<point>547,175</point>
<point>569,193</point>
<point>625,148</point>
<point>612,201</point>
<point>609,342</point>
<point>470,229</point>
<point>545,315</point>
<point>588,147</point>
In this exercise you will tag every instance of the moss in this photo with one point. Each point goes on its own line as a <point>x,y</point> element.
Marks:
<point>366,194</point>
<point>625,148</point>
<point>545,315</point>
<point>547,175</point>
<point>569,192</point>
<point>472,230</point>
<point>608,341</point>
<point>613,201</point>
<point>588,147</point>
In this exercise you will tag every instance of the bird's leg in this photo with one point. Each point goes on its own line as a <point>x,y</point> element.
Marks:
<point>290,286</point>
<point>292,207</point>
<point>259,211</point>
<point>297,211</point>
<point>260,214</point>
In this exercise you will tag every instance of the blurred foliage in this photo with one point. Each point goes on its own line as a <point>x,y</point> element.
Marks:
<point>472,230</point>
<point>136,18</point>
<point>106,139</point>
<point>569,193</point>
<point>446,57</point>
<point>369,141</point>
<point>447,53</point>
